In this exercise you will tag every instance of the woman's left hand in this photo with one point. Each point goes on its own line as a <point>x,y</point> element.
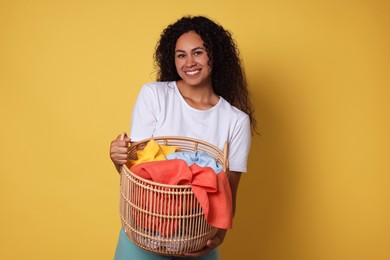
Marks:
<point>211,244</point>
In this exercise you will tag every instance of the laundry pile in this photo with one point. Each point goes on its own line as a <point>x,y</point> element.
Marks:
<point>210,185</point>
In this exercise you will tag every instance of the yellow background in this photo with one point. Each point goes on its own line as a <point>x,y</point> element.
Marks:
<point>318,180</point>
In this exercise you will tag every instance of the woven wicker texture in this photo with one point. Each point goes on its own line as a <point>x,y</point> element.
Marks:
<point>165,219</point>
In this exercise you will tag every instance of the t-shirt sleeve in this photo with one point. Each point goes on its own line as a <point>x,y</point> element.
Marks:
<point>144,115</point>
<point>239,146</point>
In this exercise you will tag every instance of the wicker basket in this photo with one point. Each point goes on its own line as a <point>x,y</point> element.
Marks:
<point>165,219</point>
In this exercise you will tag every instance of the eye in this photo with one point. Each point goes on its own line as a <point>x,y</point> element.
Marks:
<point>180,55</point>
<point>198,53</point>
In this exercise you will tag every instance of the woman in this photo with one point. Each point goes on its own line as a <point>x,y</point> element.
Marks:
<point>201,93</point>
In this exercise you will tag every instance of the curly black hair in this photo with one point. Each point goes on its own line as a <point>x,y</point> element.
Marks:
<point>228,77</point>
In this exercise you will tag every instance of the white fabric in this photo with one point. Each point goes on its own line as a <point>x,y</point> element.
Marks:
<point>160,110</point>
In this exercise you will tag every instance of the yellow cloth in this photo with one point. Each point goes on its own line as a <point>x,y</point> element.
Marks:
<point>152,152</point>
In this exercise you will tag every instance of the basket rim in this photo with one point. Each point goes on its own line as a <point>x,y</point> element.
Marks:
<point>177,138</point>
<point>162,138</point>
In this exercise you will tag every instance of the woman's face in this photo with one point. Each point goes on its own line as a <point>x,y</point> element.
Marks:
<point>191,60</point>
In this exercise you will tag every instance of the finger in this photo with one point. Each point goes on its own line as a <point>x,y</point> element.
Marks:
<point>213,243</point>
<point>119,143</point>
<point>196,254</point>
<point>119,153</point>
<point>119,156</point>
<point>200,252</point>
<point>126,139</point>
<point>123,136</point>
<point>119,149</point>
<point>120,162</point>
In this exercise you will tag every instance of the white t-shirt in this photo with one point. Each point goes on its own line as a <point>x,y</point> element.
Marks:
<point>160,110</point>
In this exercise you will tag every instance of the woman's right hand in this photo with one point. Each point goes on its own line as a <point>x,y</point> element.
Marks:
<point>118,150</point>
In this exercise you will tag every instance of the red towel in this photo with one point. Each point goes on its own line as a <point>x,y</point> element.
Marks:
<point>211,190</point>
<point>214,195</point>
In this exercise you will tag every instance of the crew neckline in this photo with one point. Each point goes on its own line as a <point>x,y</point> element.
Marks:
<point>192,108</point>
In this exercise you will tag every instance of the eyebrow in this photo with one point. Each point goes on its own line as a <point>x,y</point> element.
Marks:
<point>194,49</point>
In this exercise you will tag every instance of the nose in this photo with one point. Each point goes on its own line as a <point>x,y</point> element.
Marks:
<point>190,61</point>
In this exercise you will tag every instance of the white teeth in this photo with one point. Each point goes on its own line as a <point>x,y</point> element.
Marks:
<point>192,72</point>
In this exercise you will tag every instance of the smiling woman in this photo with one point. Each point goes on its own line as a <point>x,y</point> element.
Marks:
<point>192,65</point>
<point>200,93</point>
<point>192,61</point>
<point>227,77</point>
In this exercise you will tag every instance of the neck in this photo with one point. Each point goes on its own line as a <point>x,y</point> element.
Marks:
<point>200,97</point>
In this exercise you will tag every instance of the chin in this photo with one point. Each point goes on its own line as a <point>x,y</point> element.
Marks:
<point>196,82</point>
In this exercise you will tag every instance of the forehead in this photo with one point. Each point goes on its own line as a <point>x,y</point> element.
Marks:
<point>189,40</point>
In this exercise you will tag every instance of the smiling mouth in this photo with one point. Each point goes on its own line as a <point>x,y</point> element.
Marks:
<point>191,73</point>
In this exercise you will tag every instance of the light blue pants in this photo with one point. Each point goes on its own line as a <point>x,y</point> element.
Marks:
<point>127,250</point>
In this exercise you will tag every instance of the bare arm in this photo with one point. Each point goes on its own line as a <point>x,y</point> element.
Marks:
<point>234,181</point>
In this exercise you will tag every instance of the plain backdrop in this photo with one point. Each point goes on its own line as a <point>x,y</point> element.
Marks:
<point>317,186</point>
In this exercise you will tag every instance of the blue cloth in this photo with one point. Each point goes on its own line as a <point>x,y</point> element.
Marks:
<point>127,250</point>
<point>198,157</point>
